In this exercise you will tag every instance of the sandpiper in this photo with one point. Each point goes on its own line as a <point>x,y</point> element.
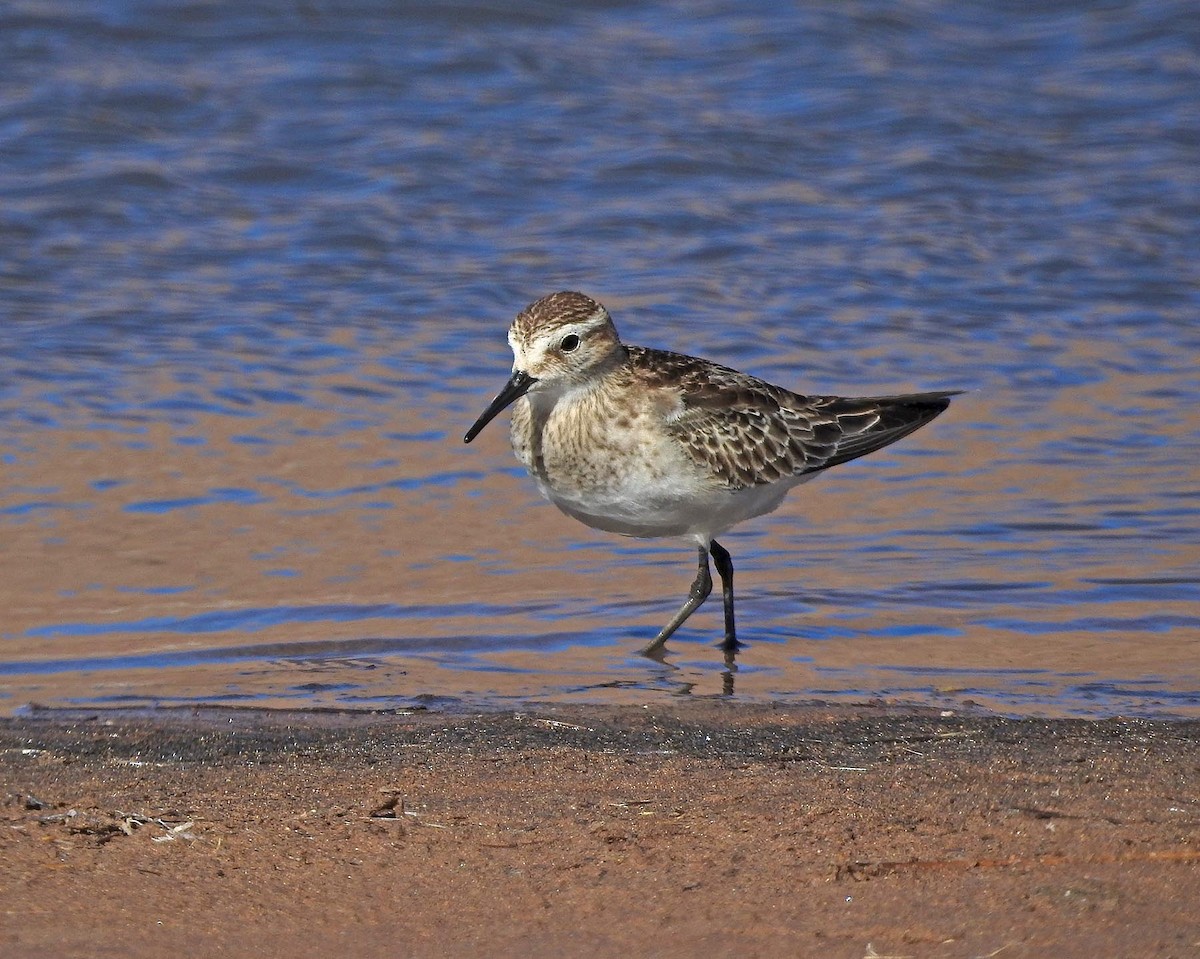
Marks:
<point>648,443</point>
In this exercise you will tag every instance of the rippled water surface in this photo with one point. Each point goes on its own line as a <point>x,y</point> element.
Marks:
<point>257,261</point>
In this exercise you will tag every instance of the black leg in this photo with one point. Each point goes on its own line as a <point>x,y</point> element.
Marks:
<point>724,565</point>
<point>699,593</point>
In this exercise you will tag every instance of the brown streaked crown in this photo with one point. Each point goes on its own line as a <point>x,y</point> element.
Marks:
<point>555,310</point>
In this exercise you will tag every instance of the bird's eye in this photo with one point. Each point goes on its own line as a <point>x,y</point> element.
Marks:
<point>570,343</point>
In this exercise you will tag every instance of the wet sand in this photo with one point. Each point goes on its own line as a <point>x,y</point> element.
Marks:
<point>694,828</point>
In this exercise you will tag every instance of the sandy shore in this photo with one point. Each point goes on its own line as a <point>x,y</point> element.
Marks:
<point>702,828</point>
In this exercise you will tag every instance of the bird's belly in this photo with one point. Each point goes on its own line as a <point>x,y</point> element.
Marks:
<point>632,492</point>
<point>625,474</point>
<point>648,503</point>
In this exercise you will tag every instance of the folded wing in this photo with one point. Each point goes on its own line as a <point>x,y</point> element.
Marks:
<point>749,432</point>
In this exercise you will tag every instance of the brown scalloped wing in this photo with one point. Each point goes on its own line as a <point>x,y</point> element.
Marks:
<point>750,433</point>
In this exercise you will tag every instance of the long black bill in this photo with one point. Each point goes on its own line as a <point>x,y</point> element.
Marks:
<point>517,386</point>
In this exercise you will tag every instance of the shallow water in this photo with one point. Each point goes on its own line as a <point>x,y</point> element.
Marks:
<point>257,265</point>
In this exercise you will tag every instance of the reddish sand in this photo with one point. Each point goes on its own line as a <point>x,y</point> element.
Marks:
<point>702,829</point>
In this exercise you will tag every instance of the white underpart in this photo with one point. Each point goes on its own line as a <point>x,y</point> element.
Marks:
<point>608,460</point>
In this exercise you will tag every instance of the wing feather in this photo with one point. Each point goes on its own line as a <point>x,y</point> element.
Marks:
<point>750,433</point>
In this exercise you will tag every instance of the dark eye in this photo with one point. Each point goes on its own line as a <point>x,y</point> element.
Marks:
<point>569,344</point>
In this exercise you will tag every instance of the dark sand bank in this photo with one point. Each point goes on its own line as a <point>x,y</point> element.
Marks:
<point>696,828</point>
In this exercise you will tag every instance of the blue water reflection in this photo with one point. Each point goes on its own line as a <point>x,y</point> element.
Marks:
<point>257,262</point>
